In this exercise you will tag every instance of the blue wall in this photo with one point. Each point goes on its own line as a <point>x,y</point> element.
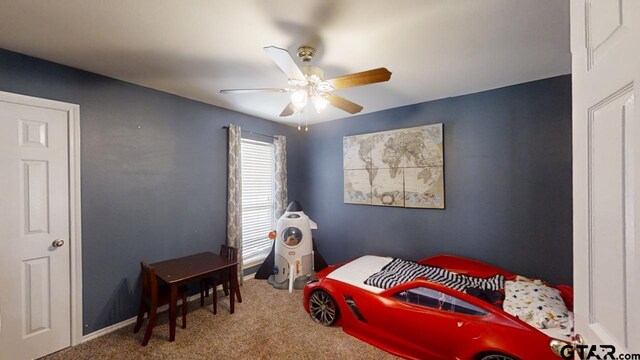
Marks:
<point>507,182</point>
<point>151,193</point>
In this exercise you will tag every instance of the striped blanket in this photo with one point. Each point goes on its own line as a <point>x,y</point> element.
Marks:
<point>399,271</point>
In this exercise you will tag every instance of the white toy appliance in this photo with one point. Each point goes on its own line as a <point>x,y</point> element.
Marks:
<point>294,245</point>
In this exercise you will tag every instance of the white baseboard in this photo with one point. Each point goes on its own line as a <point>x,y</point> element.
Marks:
<point>249,277</point>
<point>111,328</point>
<point>108,329</point>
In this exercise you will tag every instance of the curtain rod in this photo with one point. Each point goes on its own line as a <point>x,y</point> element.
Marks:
<point>251,132</point>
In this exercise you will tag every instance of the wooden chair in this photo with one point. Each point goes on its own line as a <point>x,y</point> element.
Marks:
<point>229,253</point>
<point>154,296</point>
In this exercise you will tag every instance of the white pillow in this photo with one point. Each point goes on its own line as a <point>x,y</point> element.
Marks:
<point>536,304</point>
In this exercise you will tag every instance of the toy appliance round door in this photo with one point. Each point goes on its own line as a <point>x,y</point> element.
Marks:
<point>291,237</point>
<point>280,269</point>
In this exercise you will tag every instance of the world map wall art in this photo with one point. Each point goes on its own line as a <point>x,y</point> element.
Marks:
<point>402,168</point>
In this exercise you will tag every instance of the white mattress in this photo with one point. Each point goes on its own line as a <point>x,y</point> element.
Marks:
<point>358,270</point>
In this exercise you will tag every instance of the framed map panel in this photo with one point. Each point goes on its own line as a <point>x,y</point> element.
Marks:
<point>387,150</point>
<point>424,187</point>
<point>423,146</point>
<point>387,188</point>
<point>357,187</point>
<point>356,152</point>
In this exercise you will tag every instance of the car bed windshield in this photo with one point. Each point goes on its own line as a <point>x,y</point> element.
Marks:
<point>438,300</point>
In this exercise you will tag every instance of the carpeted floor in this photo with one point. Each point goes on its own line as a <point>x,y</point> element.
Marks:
<point>269,324</point>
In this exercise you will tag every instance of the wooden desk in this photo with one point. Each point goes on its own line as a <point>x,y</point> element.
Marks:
<point>176,272</point>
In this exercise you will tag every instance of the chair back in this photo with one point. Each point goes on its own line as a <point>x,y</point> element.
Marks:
<point>149,281</point>
<point>229,252</point>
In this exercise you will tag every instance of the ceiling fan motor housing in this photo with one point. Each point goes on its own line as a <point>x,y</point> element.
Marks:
<point>305,53</point>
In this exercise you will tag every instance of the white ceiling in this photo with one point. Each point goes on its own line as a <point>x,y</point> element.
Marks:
<point>434,48</point>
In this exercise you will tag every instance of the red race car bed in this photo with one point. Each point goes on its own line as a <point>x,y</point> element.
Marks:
<point>425,310</point>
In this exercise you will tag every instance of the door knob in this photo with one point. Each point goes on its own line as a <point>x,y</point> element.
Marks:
<point>57,243</point>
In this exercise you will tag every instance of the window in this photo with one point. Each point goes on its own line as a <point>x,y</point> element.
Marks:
<point>257,200</point>
<point>437,300</point>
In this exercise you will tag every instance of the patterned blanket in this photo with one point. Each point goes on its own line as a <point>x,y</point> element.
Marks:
<point>400,271</point>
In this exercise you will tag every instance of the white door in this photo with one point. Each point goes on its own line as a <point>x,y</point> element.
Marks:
<point>605,45</point>
<point>34,231</point>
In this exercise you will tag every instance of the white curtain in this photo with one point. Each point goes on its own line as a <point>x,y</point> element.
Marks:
<point>234,194</point>
<point>280,175</point>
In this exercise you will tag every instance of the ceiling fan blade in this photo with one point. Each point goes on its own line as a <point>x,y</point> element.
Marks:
<point>288,111</point>
<point>285,62</point>
<point>361,78</point>
<point>250,91</point>
<point>344,104</point>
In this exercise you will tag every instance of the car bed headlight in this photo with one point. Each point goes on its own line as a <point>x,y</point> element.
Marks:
<point>312,280</point>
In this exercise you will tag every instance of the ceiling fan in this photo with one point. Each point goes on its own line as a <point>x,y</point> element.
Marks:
<point>308,83</point>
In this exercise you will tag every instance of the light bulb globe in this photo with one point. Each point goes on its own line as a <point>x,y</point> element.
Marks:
<point>319,102</point>
<point>299,98</point>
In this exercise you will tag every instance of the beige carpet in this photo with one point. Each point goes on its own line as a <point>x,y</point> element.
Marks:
<point>269,324</point>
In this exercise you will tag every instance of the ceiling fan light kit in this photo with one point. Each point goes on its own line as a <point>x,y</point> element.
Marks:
<point>308,83</point>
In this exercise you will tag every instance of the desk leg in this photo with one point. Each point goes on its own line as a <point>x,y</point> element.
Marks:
<point>173,301</point>
<point>233,279</point>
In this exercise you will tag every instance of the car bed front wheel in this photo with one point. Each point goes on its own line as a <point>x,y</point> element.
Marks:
<point>496,357</point>
<point>322,308</point>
